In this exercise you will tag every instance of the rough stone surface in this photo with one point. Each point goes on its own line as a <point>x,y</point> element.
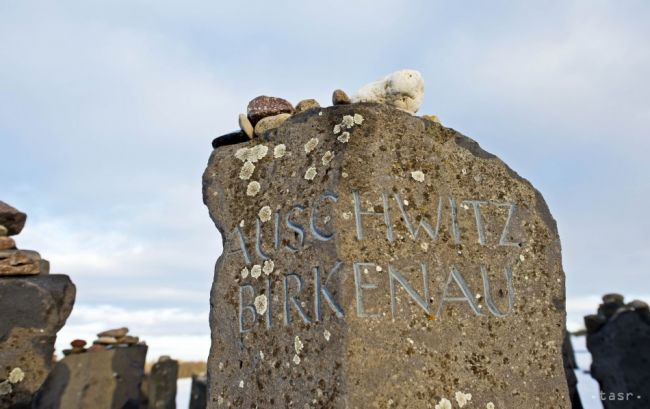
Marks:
<point>198,392</point>
<point>3,231</point>
<point>620,350</point>
<point>270,122</point>
<point>12,219</point>
<point>32,311</point>
<point>339,97</point>
<point>264,106</point>
<point>22,263</point>
<point>108,379</point>
<point>162,384</point>
<point>306,104</point>
<point>416,324</point>
<point>402,89</point>
<point>246,126</point>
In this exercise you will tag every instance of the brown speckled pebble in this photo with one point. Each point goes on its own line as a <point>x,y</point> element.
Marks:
<point>263,106</point>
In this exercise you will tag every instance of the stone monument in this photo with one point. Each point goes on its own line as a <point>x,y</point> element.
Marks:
<point>618,337</point>
<point>376,259</point>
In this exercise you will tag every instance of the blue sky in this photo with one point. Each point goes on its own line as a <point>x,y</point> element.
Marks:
<point>108,108</point>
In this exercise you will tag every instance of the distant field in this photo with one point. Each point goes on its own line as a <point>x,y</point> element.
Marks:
<point>185,368</point>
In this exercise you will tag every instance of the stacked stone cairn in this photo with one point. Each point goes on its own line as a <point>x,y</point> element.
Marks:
<point>34,305</point>
<point>14,262</point>
<point>618,338</point>
<point>112,338</point>
<point>403,90</point>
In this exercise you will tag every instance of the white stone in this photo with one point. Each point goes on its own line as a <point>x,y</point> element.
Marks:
<point>402,89</point>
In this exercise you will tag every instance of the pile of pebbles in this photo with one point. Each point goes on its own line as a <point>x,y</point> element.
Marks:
<point>15,262</point>
<point>402,89</point>
<point>112,338</point>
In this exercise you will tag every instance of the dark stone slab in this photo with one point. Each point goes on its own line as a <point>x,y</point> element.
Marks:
<point>232,138</point>
<point>162,384</point>
<point>108,379</point>
<point>32,311</point>
<point>198,394</point>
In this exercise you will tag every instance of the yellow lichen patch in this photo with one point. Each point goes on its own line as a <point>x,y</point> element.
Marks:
<point>261,304</point>
<point>327,158</point>
<point>253,188</point>
<point>311,145</point>
<point>310,174</point>
<point>279,151</point>
<point>256,271</point>
<point>265,214</point>
<point>418,175</point>
<point>344,137</point>
<point>268,267</point>
<point>246,171</point>
<point>16,375</point>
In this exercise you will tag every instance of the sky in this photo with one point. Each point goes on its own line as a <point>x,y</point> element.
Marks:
<point>108,108</point>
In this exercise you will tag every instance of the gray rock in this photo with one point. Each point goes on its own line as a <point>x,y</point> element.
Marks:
<point>620,350</point>
<point>32,311</point>
<point>108,379</point>
<point>264,106</point>
<point>12,219</point>
<point>371,297</point>
<point>198,392</point>
<point>162,384</point>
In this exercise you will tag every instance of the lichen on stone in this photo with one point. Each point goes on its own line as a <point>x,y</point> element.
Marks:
<point>265,214</point>
<point>489,405</point>
<point>246,171</point>
<point>296,359</point>
<point>463,398</point>
<point>5,388</point>
<point>16,375</point>
<point>256,271</point>
<point>311,145</point>
<point>327,158</point>
<point>252,154</point>
<point>443,404</point>
<point>418,175</point>
<point>344,137</point>
<point>261,304</point>
<point>253,188</point>
<point>348,121</point>
<point>310,174</point>
<point>358,119</point>
<point>268,267</point>
<point>327,335</point>
<point>244,272</point>
<point>297,344</point>
<point>337,129</point>
<point>279,151</point>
